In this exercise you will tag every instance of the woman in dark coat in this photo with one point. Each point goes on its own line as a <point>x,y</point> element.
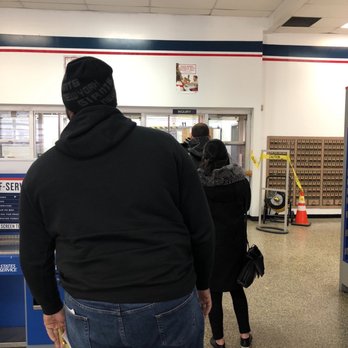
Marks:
<point>228,194</point>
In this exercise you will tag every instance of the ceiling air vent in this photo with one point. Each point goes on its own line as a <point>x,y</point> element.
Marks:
<point>304,22</point>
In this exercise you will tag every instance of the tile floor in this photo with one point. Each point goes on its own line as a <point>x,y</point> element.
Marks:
<point>297,304</point>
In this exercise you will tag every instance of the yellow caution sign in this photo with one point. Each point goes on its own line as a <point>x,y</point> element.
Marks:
<point>275,157</point>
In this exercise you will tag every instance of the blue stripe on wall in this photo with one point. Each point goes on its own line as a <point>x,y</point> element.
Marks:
<point>62,42</point>
<point>128,44</point>
<point>305,51</point>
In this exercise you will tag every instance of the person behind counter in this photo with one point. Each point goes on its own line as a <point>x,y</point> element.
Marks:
<point>229,196</point>
<point>131,236</point>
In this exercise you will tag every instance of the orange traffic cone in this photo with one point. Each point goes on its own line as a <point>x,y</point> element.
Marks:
<point>301,215</point>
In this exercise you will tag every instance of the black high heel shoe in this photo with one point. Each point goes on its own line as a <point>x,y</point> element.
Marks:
<point>215,345</point>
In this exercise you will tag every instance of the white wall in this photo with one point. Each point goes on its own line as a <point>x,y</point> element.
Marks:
<point>298,98</point>
<point>305,98</point>
<point>34,78</point>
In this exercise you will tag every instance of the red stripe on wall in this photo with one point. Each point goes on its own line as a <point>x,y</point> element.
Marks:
<point>11,179</point>
<point>304,60</point>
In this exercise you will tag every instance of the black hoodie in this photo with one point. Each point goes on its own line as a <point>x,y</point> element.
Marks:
<point>195,149</point>
<point>121,210</point>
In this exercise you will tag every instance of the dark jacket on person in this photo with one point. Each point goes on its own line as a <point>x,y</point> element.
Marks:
<point>195,148</point>
<point>228,193</point>
<point>122,206</point>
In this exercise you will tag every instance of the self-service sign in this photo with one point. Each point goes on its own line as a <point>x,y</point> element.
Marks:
<point>10,188</point>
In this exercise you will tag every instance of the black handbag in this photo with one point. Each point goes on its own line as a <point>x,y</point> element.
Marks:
<point>253,266</point>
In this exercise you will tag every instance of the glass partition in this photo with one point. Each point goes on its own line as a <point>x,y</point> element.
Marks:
<point>231,129</point>
<point>157,121</point>
<point>14,134</point>
<point>179,126</point>
<point>48,127</point>
<point>134,117</point>
<point>28,134</point>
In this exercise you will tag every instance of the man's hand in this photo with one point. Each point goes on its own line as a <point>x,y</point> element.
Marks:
<point>205,301</point>
<point>53,323</point>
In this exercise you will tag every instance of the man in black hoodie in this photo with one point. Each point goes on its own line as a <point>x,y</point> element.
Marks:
<point>131,236</point>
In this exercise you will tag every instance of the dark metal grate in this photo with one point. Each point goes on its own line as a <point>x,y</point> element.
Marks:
<point>301,22</point>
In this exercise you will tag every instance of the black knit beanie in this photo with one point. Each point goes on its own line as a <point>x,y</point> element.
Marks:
<point>88,81</point>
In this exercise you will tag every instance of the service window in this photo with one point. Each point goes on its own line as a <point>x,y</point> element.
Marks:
<point>48,127</point>
<point>134,117</point>
<point>231,129</point>
<point>179,126</point>
<point>15,134</point>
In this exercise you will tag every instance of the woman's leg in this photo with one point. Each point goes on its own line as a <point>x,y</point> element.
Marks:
<point>216,316</point>
<point>240,305</point>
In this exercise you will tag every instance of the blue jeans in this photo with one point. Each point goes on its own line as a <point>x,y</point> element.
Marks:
<point>175,323</point>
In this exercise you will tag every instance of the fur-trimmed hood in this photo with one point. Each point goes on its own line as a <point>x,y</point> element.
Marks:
<point>223,176</point>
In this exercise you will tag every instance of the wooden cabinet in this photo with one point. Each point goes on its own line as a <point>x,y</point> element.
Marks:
<point>318,162</point>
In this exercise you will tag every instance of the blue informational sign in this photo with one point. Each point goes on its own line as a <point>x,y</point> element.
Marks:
<point>9,265</point>
<point>11,279</point>
<point>345,212</point>
<point>10,188</point>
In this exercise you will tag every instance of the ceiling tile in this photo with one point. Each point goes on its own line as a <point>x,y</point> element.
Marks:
<point>329,10</point>
<point>330,22</point>
<point>336,11</point>
<point>326,2</point>
<point>119,9</point>
<point>55,6</point>
<point>197,4</point>
<point>241,13</point>
<point>59,2</point>
<point>180,11</point>
<point>262,5</point>
<point>123,3</point>
<point>12,4</point>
